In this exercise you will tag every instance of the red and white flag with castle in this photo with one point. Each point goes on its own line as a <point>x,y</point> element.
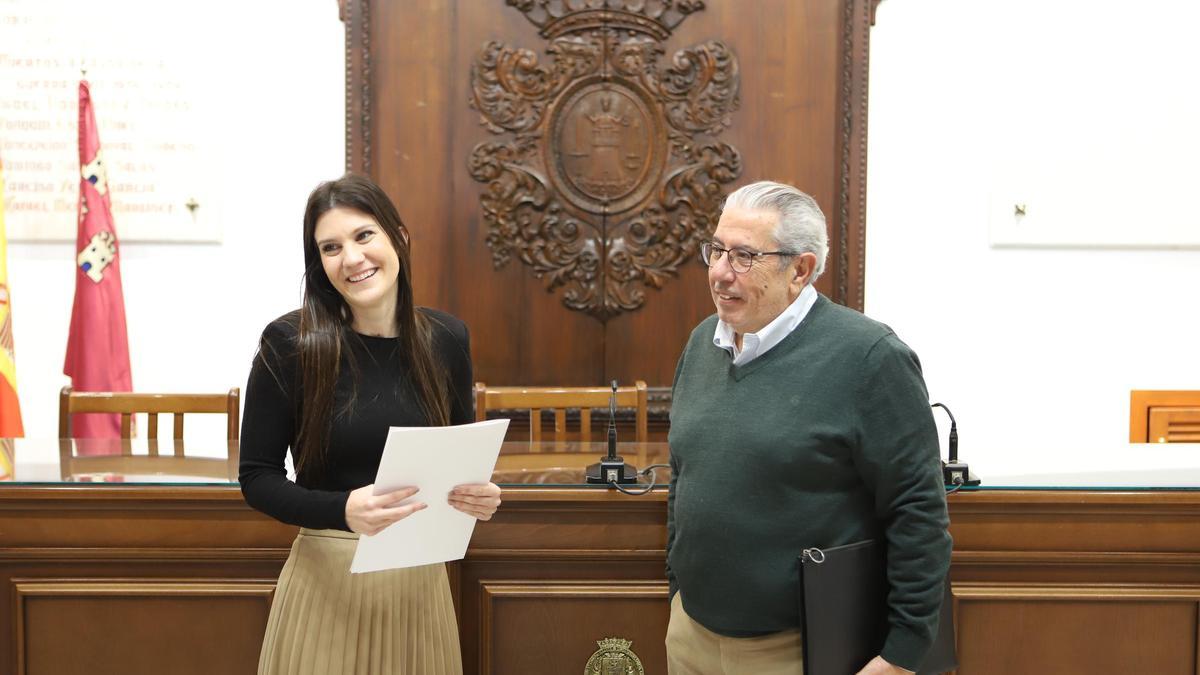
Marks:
<point>98,347</point>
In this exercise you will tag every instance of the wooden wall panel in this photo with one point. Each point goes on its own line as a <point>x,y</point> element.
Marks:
<point>148,626</point>
<point>1164,416</point>
<point>1051,581</point>
<point>1175,425</point>
<point>1116,629</point>
<point>555,627</point>
<point>802,114</point>
<point>134,579</point>
<point>422,135</point>
<point>786,130</point>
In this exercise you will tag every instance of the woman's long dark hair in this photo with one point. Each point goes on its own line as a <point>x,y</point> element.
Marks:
<point>325,320</point>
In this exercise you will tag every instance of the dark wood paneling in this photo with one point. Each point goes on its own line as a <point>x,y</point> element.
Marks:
<point>158,631</point>
<point>1045,581</point>
<point>134,579</point>
<point>1111,630</point>
<point>554,627</point>
<point>803,66</point>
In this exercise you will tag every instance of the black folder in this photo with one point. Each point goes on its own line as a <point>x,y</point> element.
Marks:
<point>843,611</point>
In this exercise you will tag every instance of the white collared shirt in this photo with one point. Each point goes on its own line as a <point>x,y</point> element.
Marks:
<point>755,345</point>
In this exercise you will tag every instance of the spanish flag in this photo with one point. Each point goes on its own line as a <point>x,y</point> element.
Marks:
<point>10,408</point>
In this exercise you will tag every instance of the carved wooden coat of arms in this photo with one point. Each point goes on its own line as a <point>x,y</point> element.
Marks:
<point>608,173</point>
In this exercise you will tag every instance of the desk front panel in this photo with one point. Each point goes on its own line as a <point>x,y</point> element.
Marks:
<point>154,578</point>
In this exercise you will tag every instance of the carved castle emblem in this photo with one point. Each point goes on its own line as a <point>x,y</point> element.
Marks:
<point>608,174</point>
<point>97,254</point>
<point>614,657</point>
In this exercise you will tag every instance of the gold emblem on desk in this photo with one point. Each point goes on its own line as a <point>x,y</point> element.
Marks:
<point>614,657</point>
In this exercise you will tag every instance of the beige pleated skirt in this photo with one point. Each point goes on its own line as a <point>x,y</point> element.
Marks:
<point>325,620</point>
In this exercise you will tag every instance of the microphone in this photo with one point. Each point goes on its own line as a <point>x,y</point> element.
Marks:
<point>612,423</point>
<point>611,469</point>
<point>954,472</point>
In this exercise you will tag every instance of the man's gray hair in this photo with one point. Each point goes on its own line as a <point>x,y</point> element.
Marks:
<point>801,226</point>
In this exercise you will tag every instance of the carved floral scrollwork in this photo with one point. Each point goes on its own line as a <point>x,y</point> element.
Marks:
<point>514,89</point>
<point>699,88</point>
<point>611,175</point>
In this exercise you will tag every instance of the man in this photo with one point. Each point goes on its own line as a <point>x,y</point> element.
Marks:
<point>795,423</point>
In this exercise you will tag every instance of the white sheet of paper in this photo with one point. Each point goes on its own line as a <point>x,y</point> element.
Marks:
<point>435,459</point>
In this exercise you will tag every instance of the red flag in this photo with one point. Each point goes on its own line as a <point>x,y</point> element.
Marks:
<point>97,348</point>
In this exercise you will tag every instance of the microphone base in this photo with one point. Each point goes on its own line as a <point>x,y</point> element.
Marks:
<point>957,473</point>
<point>613,470</point>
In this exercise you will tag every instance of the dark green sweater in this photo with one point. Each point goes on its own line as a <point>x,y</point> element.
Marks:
<point>826,439</point>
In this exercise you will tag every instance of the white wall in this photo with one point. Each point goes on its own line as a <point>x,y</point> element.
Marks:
<point>1034,349</point>
<point>195,310</point>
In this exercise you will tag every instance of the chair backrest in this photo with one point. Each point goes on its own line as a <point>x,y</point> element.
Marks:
<point>128,404</point>
<point>559,399</point>
<point>1164,416</point>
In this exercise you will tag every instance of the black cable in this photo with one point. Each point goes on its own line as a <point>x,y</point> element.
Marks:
<point>956,488</point>
<point>649,486</point>
<point>952,446</point>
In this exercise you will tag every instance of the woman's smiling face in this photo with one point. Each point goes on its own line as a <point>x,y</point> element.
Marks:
<point>358,258</point>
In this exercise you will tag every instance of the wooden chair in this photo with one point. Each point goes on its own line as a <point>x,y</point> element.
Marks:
<point>110,460</point>
<point>1164,416</point>
<point>129,404</point>
<point>559,399</point>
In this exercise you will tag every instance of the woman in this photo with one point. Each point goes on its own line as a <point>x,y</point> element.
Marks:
<point>328,381</point>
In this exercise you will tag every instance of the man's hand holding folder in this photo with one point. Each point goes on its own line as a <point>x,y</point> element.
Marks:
<point>844,614</point>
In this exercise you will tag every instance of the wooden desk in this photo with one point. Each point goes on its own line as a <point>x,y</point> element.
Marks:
<point>155,578</point>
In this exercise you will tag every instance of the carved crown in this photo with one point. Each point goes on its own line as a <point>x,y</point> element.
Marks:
<point>656,18</point>
<point>616,643</point>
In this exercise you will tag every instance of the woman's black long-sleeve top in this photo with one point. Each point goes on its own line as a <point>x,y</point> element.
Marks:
<point>384,397</point>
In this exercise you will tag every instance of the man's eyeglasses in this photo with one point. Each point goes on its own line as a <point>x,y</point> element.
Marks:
<point>740,259</point>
